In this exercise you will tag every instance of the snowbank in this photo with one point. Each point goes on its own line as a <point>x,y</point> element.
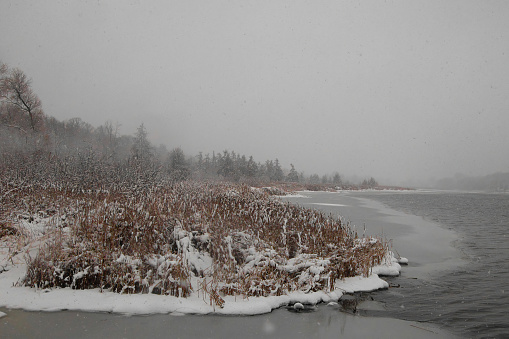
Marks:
<point>96,300</point>
<point>391,266</point>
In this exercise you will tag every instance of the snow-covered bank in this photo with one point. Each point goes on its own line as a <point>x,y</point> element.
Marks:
<point>189,248</point>
<point>95,300</point>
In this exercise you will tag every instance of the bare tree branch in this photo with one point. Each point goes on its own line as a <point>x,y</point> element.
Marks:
<point>15,90</point>
<point>17,127</point>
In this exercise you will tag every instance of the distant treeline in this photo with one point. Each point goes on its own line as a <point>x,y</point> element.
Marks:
<point>34,146</point>
<point>497,182</point>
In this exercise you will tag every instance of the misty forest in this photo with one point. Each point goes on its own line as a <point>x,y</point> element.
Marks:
<point>92,157</point>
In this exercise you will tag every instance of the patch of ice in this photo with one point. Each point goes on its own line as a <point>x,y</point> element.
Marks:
<point>326,204</point>
<point>294,195</point>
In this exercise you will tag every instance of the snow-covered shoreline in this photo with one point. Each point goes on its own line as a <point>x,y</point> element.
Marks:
<point>314,279</point>
<point>95,300</point>
<point>12,295</point>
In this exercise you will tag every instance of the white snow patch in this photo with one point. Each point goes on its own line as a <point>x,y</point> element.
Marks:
<point>390,267</point>
<point>391,271</point>
<point>403,261</point>
<point>362,284</point>
<point>298,306</point>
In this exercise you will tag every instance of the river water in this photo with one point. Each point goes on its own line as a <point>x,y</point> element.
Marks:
<point>457,279</point>
<point>472,299</point>
<point>455,283</point>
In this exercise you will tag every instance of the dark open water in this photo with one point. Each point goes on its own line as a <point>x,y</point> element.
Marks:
<point>471,300</point>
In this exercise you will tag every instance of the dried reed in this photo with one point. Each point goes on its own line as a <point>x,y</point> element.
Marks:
<point>151,240</point>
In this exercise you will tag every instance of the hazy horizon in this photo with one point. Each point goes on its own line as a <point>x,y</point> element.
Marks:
<point>404,91</point>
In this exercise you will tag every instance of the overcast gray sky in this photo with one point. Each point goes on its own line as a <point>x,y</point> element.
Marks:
<point>391,89</point>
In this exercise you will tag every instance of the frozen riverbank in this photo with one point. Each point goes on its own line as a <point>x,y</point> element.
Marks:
<point>190,248</point>
<point>95,300</point>
<point>323,321</point>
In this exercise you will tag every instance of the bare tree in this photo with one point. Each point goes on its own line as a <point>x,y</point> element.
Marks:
<point>3,72</point>
<point>19,100</point>
<point>111,131</point>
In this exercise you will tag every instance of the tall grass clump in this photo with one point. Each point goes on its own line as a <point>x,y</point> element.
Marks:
<point>172,239</point>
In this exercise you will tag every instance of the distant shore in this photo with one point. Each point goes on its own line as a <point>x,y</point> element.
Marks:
<point>291,188</point>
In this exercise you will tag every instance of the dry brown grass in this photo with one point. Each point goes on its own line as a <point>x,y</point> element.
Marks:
<point>143,241</point>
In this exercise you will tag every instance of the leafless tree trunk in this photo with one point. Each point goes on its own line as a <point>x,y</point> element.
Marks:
<point>16,93</point>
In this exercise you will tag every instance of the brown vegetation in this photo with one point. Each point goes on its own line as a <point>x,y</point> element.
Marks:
<point>147,241</point>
